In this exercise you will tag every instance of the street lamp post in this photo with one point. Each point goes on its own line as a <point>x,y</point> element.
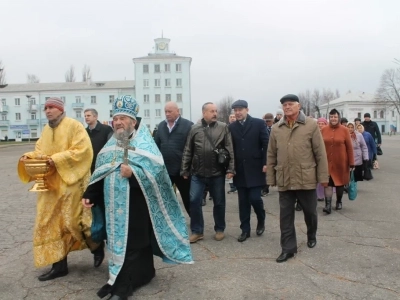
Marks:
<point>30,109</point>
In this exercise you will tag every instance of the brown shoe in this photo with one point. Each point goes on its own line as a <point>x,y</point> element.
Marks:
<point>196,237</point>
<point>219,236</point>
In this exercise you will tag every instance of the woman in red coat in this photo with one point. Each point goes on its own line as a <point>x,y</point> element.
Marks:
<point>339,150</point>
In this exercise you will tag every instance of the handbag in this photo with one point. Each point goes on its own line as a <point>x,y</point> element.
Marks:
<point>352,191</point>
<point>367,171</point>
<point>223,156</point>
<point>379,150</point>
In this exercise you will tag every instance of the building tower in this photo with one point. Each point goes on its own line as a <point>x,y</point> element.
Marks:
<point>160,77</point>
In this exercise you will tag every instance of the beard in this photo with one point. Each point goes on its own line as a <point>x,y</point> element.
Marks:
<point>124,135</point>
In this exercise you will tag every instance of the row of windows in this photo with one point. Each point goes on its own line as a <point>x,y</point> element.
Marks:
<point>167,82</point>
<point>167,68</point>
<point>18,117</point>
<point>157,98</point>
<point>78,99</point>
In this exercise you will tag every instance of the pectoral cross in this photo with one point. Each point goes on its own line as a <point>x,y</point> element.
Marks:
<point>125,145</point>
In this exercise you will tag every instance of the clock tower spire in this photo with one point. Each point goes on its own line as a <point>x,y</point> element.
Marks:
<point>162,45</point>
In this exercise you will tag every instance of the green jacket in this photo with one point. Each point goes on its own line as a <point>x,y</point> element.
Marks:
<point>296,157</point>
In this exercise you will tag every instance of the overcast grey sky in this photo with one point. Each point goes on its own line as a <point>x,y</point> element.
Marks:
<point>252,50</point>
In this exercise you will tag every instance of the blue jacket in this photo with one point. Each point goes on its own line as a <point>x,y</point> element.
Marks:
<point>369,140</point>
<point>250,143</point>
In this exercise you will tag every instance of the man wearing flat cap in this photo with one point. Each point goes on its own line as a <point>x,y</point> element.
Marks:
<point>296,162</point>
<point>250,143</point>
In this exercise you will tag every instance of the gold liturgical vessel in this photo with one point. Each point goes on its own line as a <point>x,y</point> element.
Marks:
<point>38,169</point>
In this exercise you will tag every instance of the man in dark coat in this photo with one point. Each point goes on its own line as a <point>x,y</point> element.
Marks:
<point>99,135</point>
<point>250,143</point>
<point>171,138</point>
<point>372,128</point>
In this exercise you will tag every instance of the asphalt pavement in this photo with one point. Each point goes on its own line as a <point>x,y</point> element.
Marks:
<point>357,255</point>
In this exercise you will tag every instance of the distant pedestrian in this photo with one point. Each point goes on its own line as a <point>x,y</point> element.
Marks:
<point>201,162</point>
<point>373,128</point>
<point>344,121</point>
<point>250,143</point>
<point>269,122</point>
<point>360,151</point>
<point>296,161</point>
<point>171,138</point>
<point>369,140</point>
<point>233,189</point>
<point>339,151</point>
<point>278,115</point>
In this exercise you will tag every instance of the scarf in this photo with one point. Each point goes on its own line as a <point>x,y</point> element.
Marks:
<point>54,123</point>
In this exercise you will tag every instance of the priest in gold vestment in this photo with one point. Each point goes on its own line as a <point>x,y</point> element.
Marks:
<point>62,225</point>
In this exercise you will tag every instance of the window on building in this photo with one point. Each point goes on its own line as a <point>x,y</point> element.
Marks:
<point>359,115</point>
<point>4,117</point>
<point>375,114</point>
<point>111,113</point>
<point>146,98</point>
<point>147,113</point>
<point>167,97</point>
<point>17,101</point>
<point>157,98</point>
<point>17,116</point>
<point>157,68</point>
<point>392,113</point>
<point>158,112</point>
<point>181,111</point>
<point>46,98</point>
<point>145,83</point>
<point>145,68</point>
<point>34,133</point>
<point>63,99</point>
<point>167,82</point>
<point>167,68</point>
<point>178,97</point>
<point>77,99</point>
<point>78,114</point>
<point>3,101</point>
<point>179,82</point>
<point>33,116</point>
<point>111,99</point>
<point>93,100</point>
<point>157,82</point>
<point>178,68</point>
<point>381,114</point>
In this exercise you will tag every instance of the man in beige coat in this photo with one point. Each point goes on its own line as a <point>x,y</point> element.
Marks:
<point>296,162</point>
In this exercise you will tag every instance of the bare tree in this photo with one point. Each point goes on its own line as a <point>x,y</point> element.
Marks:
<point>337,94</point>
<point>388,92</point>
<point>224,107</point>
<point>86,73</point>
<point>327,97</point>
<point>70,74</point>
<point>305,101</point>
<point>32,78</point>
<point>2,74</point>
<point>316,101</point>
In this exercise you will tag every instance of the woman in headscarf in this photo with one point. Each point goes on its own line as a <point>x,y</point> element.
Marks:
<point>360,151</point>
<point>339,151</point>
<point>369,140</point>
<point>322,122</point>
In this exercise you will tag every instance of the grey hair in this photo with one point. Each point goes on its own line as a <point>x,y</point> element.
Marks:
<point>203,108</point>
<point>92,110</point>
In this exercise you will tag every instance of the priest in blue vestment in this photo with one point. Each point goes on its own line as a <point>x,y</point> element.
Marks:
<point>143,216</point>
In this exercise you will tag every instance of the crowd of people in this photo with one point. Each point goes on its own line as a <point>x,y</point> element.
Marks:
<point>117,186</point>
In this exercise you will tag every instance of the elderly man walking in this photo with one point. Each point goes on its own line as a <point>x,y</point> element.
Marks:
<point>170,139</point>
<point>250,143</point>
<point>296,162</point>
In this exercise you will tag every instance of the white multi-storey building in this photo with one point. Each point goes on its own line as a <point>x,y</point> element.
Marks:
<point>160,77</point>
<point>356,104</point>
<point>22,105</point>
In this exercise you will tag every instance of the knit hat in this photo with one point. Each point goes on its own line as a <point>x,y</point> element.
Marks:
<point>279,112</point>
<point>322,120</point>
<point>367,115</point>
<point>268,117</point>
<point>127,106</point>
<point>55,102</point>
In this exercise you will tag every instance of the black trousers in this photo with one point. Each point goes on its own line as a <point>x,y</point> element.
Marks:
<point>249,197</point>
<point>183,185</point>
<point>287,200</point>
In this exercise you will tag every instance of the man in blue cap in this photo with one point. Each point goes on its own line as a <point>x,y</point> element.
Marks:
<point>143,216</point>
<point>296,162</point>
<point>250,143</point>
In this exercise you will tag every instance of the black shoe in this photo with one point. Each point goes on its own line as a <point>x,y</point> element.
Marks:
<point>260,229</point>
<point>338,205</point>
<point>59,269</point>
<point>98,255</point>
<point>311,243</point>
<point>328,206</point>
<point>320,199</point>
<point>243,236</point>
<point>298,207</point>
<point>116,297</point>
<point>284,257</point>
<point>204,202</point>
